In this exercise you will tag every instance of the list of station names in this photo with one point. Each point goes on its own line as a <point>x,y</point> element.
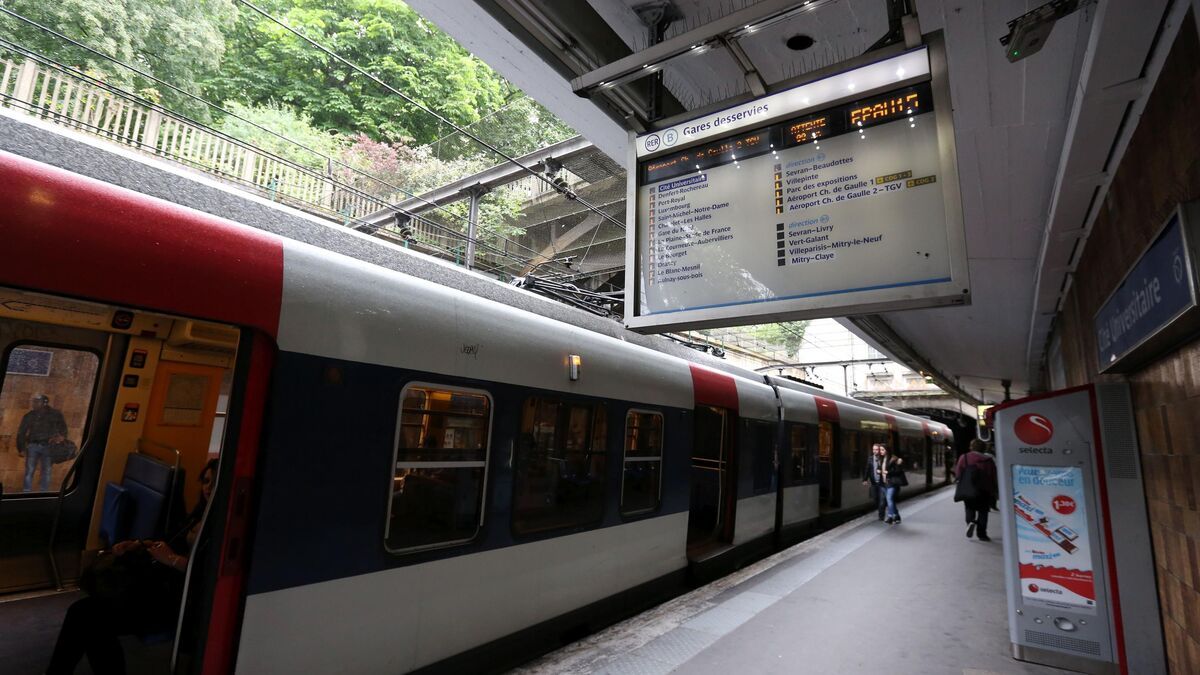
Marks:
<point>823,217</point>
<point>680,220</point>
<point>682,215</point>
<point>809,188</point>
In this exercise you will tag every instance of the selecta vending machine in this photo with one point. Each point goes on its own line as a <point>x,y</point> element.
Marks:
<point>1079,568</point>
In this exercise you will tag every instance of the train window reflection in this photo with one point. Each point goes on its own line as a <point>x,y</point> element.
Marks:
<point>642,477</point>
<point>45,400</point>
<point>856,449</point>
<point>803,439</point>
<point>559,465</point>
<point>761,437</point>
<point>440,468</point>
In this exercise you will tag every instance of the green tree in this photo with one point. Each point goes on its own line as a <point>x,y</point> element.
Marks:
<point>305,144</point>
<point>395,172</point>
<point>522,126</point>
<point>267,63</point>
<point>178,41</point>
<point>790,334</point>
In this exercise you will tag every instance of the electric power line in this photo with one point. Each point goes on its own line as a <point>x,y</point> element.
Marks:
<point>421,106</point>
<point>271,132</point>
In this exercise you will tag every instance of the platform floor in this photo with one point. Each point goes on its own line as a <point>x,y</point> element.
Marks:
<point>863,598</point>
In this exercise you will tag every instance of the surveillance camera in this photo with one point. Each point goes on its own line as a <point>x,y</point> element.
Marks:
<point>1027,34</point>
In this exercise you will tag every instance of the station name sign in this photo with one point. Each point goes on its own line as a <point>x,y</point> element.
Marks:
<point>835,197</point>
<point>1155,306</point>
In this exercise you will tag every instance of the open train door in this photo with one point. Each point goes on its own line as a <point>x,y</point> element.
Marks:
<point>714,462</point>
<point>107,284</point>
<point>135,394</point>
<point>829,465</point>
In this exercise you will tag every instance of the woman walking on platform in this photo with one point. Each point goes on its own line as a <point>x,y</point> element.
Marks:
<point>892,478</point>
<point>977,488</point>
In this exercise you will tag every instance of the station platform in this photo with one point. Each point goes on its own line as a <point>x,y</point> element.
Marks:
<point>865,597</point>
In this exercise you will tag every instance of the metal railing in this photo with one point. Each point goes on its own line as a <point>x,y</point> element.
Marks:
<point>89,105</point>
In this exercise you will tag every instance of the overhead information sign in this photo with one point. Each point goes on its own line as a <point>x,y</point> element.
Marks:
<point>844,208</point>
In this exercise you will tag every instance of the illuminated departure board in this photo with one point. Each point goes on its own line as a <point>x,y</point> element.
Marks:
<point>814,211</point>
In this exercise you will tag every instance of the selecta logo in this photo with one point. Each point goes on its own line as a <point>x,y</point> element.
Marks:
<point>1033,588</point>
<point>1063,504</point>
<point>1033,429</point>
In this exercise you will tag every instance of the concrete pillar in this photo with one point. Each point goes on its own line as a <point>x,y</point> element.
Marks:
<point>25,79</point>
<point>327,186</point>
<point>150,130</point>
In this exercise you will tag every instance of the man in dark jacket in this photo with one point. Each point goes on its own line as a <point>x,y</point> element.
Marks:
<point>873,476</point>
<point>40,427</point>
<point>976,473</point>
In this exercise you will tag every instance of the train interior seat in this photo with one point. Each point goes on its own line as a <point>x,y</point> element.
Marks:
<point>147,500</point>
<point>114,522</point>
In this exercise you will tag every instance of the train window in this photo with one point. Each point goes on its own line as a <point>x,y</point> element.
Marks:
<point>559,465</point>
<point>761,437</point>
<point>912,449</point>
<point>803,438</point>
<point>642,477</point>
<point>856,449</point>
<point>440,468</point>
<point>852,453</point>
<point>825,448</point>
<point>44,404</point>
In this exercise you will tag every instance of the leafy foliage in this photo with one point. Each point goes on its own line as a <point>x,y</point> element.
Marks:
<point>267,63</point>
<point>520,127</point>
<point>178,41</point>
<point>395,172</point>
<point>330,117</point>
<point>790,334</point>
<point>305,144</point>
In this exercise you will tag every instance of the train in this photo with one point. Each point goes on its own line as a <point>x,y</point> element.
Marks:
<point>410,478</point>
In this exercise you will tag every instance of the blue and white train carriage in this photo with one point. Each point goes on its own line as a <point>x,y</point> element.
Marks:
<point>410,477</point>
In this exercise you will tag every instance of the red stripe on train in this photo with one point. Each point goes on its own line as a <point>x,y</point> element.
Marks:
<point>827,410</point>
<point>69,234</point>
<point>713,388</point>
<point>224,625</point>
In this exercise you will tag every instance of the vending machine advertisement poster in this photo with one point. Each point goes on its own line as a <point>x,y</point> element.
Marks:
<point>1054,553</point>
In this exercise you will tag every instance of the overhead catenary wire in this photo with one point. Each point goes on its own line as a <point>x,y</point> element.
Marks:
<point>486,117</point>
<point>194,97</point>
<point>421,106</point>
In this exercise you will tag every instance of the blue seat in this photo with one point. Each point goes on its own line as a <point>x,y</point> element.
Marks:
<point>146,520</point>
<point>138,508</point>
<point>114,520</point>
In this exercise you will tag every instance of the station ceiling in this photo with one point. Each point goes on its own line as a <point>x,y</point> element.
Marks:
<point>1015,125</point>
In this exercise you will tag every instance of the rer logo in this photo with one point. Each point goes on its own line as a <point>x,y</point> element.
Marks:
<point>1033,429</point>
<point>653,142</point>
<point>1063,504</point>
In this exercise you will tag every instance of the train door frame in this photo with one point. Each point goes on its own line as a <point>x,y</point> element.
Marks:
<point>217,594</point>
<point>831,479</point>
<point>829,420</point>
<point>726,499</point>
<point>59,521</point>
<point>928,448</point>
<point>210,612</point>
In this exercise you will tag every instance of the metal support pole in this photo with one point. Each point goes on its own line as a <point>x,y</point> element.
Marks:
<point>474,193</point>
